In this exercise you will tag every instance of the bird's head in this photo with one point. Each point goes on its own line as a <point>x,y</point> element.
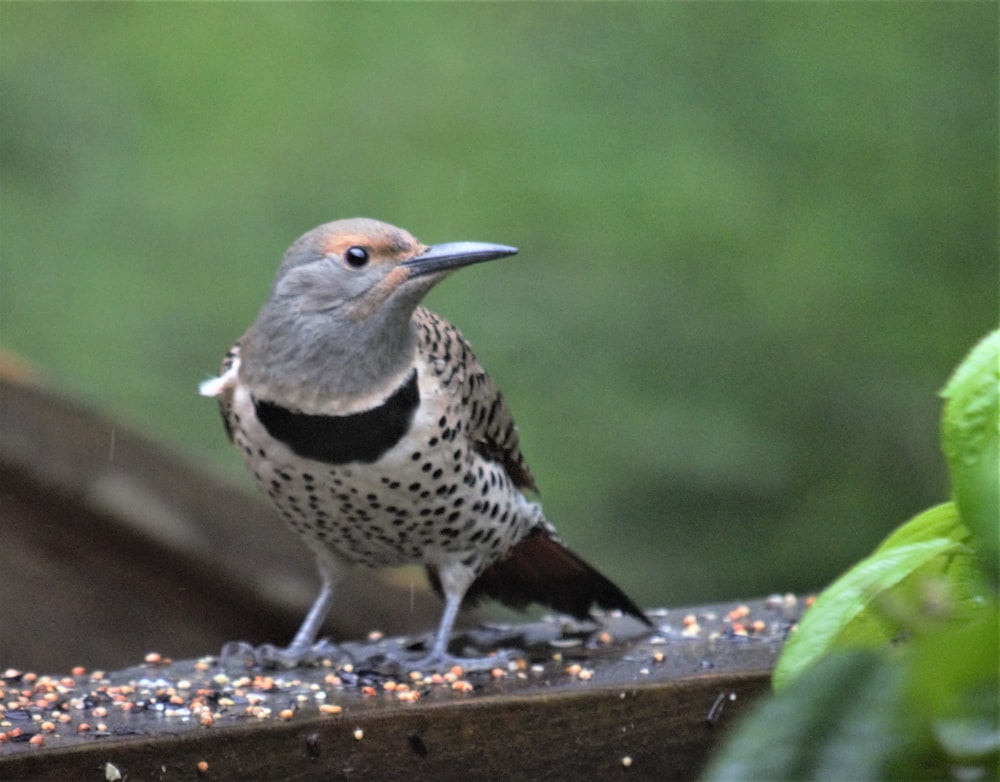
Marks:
<point>343,299</point>
<point>353,269</point>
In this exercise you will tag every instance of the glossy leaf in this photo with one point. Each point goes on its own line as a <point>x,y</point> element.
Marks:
<point>970,434</point>
<point>953,684</point>
<point>853,610</point>
<point>838,721</point>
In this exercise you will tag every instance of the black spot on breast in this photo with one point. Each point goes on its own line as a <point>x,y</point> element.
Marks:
<point>339,439</point>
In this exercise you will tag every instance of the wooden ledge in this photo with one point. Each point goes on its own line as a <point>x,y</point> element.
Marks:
<point>580,705</point>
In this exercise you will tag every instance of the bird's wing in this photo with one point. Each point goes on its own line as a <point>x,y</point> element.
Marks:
<point>490,425</point>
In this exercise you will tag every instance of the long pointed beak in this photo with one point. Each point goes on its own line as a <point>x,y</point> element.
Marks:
<point>453,255</point>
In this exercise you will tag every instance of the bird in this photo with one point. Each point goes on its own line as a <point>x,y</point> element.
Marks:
<point>375,432</point>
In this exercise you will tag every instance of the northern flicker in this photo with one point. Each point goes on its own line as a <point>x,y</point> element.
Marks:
<point>377,435</point>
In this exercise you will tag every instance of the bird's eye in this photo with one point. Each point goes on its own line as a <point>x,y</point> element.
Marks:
<point>356,257</point>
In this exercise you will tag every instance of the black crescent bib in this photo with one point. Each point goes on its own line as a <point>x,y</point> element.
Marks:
<point>341,439</point>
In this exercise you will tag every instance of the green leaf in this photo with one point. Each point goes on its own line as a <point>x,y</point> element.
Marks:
<point>970,436</point>
<point>853,610</point>
<point>927,710</point>
<point>972,738</point>
<point>839,721</point>
<point>940,521</point>
<point>953,686</point>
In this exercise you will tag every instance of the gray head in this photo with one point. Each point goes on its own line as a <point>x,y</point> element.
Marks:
<point>338,320</point>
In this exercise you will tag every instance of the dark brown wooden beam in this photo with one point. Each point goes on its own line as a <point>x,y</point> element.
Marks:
<point>580,706</point>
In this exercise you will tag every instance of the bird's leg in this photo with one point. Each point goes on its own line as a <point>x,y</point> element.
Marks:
<point>438,658</point>
<point>303,647</point>
<point>439,651</point>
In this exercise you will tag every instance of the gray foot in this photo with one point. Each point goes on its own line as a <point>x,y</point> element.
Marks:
<point>442,663</point>
<point>241,655</point>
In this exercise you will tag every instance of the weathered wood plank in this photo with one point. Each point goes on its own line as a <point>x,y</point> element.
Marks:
<point>585,735</point>
<point>563,735</point>
<point>577,707</point>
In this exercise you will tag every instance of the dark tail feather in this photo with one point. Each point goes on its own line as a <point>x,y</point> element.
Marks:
<point>542,570</point>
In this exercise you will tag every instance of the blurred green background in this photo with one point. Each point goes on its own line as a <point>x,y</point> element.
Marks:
<point>755,238</point>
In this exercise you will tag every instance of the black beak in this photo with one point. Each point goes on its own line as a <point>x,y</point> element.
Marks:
<point>454,255</point>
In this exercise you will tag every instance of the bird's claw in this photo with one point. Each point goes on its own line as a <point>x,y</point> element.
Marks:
<point>240,654</point>
<point>441,663</point>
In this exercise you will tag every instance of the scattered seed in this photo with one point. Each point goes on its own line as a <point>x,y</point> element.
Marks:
<point>691,628</point>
